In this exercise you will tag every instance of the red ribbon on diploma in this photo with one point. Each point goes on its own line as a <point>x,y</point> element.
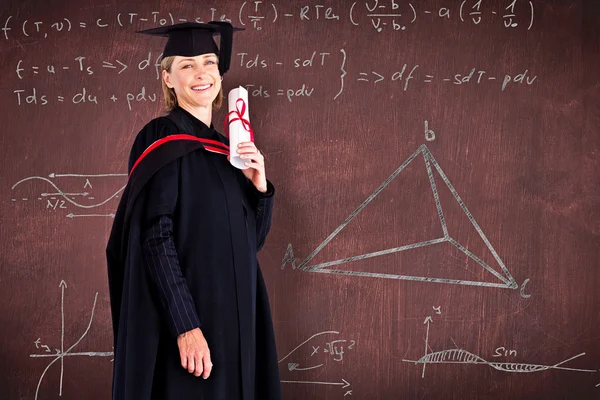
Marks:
<point>239,117</point>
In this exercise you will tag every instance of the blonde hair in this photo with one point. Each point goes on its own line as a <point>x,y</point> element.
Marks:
<point>170,97</point>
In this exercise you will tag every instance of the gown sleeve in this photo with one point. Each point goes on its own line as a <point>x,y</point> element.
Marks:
<point>264,212</point>
<point>160,254</point>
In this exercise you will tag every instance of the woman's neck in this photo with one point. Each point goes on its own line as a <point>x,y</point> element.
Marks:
<point>204,114</point>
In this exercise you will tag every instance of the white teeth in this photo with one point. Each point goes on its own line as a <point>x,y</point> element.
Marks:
<point>199,88</point>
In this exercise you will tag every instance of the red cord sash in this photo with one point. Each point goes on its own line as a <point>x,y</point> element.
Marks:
<point>209,145</point>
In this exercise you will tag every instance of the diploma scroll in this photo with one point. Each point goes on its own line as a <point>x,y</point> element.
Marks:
<point>237,124</point>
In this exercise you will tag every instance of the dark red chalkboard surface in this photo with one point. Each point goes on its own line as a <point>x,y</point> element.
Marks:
<point>437,223</point>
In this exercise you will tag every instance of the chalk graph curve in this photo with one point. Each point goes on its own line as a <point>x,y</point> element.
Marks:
<point>59,355</point>
<point>61,193</point>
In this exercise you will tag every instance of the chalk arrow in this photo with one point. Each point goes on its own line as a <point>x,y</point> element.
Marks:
<point>37,342</point>
<point>64,194</point>
<point>427,321</point>
<point>294,367</point>
<point>123,65</point>
<point>55,175</point>
<point>380,77</point>
<point>62,286</point>
<point>111,215</point>
<point>343,384</point>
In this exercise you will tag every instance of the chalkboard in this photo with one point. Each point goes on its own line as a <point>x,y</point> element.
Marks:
<point>436,163</point>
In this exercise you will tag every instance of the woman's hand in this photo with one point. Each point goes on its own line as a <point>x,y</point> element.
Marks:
<point>256,163</point>
<point>194,353</point>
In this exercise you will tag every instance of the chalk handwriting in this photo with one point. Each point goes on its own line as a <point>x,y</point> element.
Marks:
<point>474,76</point>
<point>334,348</point>
<point>503,352</point>
<point>394,15</point>
<point>429,134</point>
<point>289,257</point>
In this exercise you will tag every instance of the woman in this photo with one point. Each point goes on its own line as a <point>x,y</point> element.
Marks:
<point>191,316</point>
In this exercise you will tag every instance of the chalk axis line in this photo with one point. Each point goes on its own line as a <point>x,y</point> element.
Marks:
<point>505,278</point>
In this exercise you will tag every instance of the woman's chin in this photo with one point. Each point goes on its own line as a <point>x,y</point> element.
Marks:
<point>208,95</point>
<point>201,101</point>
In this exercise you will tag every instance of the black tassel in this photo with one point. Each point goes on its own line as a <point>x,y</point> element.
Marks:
<point>226,44</point>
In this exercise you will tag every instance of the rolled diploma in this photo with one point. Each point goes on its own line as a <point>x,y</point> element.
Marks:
<point>237,132</point>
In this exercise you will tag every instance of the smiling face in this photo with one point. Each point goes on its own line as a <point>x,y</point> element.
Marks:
<point>195,80</point>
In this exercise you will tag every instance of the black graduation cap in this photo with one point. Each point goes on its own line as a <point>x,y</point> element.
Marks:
<point>190,39</point>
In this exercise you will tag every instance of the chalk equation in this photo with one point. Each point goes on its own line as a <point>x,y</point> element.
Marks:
<point>462,356</point>
<point>40,29</point>
<point>59,354</point>
<point>80,64</point>
<point>313,349</point>
<point>152,62</point>
<point>504,278</point>
<point>402,76</point>
<point>57,199</point>
<point>400,79</point>
<point>394,15</point>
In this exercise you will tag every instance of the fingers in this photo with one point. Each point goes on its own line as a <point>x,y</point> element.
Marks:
<point>188,362</point>
<point>255,156</point>
<point>249,153</point>
<point>199,367</point>
<point>207,366</point>
<point>192,365</point>
<point>254,165</point>
<point>203,365</point>
<point>198,363</point>
<point>184,360</point>
<point>194,353</point>
<point>243,145</point>
<point>249,148</point>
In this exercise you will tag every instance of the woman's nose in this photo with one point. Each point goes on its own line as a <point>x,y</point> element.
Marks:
<point>200,72</point>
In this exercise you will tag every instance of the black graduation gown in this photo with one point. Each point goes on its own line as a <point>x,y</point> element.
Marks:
<point>220,222</point>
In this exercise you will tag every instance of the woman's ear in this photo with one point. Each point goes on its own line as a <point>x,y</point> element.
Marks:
<point>167,78</point>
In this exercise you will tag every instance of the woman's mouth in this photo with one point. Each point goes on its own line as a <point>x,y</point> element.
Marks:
<point>200,88</point>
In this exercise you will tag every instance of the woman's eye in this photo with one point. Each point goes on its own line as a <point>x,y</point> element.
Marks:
<point>187,65</point>
<point>210,62</point>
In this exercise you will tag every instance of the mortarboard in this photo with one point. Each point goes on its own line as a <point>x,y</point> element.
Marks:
<point>190,39</point>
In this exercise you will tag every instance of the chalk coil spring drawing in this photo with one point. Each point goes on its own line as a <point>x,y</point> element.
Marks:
<point>460,356</point>
<point>505,278</point>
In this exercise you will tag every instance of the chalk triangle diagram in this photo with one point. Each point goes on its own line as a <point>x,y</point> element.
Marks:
<point>505,279</point>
